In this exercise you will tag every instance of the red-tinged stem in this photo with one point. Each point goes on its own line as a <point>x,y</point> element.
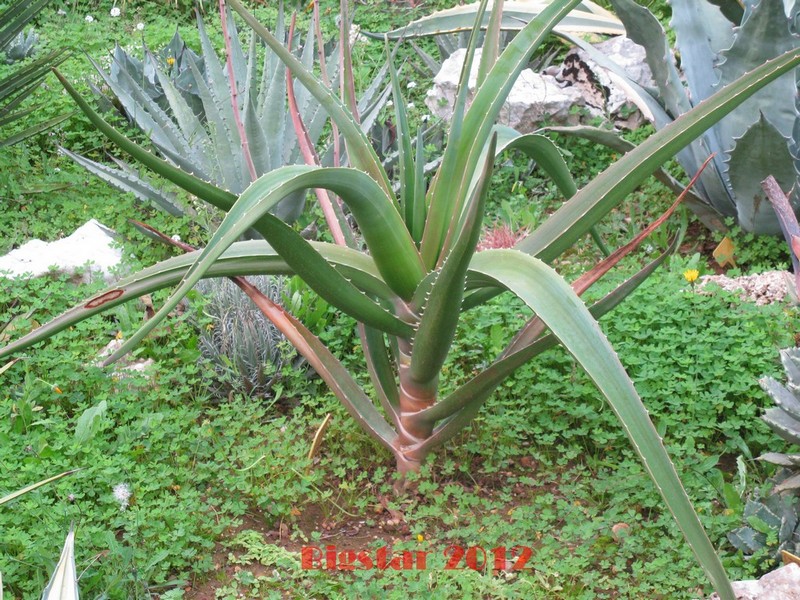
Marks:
<point>348,88</point>
<point>327,81</point>
<point>788,223</point>
<point>251,167</point>
<point>290,328</point>
<point>535,327</point>
<point>308,152</point>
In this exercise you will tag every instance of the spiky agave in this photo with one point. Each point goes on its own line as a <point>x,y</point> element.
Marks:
<point>420,271</point>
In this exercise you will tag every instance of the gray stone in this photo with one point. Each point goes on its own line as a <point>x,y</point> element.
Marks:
<point>91,245</point>
<point>554,95</point>
<point>781,584</point>
<point>533,98</point>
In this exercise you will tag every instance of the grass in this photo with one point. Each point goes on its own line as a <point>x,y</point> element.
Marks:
<point>223,492</point>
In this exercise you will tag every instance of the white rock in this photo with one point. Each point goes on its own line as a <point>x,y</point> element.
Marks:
<point>762,288</point>
<point>91,243</point>
<point>533,98</point>
<point>781,584</point>
<point>125,367</point>
<point>630,56</point>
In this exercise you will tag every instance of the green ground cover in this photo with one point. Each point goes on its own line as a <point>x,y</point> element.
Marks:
<point>222,492</point>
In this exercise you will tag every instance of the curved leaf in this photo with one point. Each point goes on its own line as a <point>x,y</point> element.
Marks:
<point>551,298</point>
<point>588,17</point>
<point>391,246</point>
<point>359,148</point>
<point>589,205</point>
<point>242,258</point>
<point>450,188</point>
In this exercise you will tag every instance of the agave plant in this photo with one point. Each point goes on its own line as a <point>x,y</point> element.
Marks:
<point>718,43</point>
<point>23,46</point>
<point>412,270</point>
<point>15,88</point>
<point>784,417</point>
<point>779,512</point>
<point>772,523</point>
<point>223,133</point>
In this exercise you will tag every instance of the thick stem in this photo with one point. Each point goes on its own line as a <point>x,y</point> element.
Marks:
<point>405,466</point>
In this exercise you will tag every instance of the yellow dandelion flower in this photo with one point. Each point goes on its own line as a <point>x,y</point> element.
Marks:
<point>691,275</point>
<point>170,61</point>
<point>420,537</point>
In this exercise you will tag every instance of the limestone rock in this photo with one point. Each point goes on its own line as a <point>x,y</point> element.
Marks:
<point>91,243</point>
<point>533,98</point>
<point>781,584</point>
<point>554,94</point>
<point>761,288</point>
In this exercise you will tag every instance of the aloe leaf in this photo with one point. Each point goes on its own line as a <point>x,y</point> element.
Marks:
<point>63,583</point>
<point>359,149</point>
<point>254,257</point>
<point>406,166</point>
<point>612,140</point>
<point>491,43</point>
<point>348,80</point>
<point>439,320</point>
<point>586,18</point>
<point>27,78</point>
<point>471,395</point>
<point>390,245</point>
<point>451,185</point>
<point>541,149</point>
<point>15,17</point>
<point>441,208</point>
<point>34,130</point>
<point>419,212</point>
<point>790,228</point>
<point>589,205</point>
<point>550,297</point>
<point>38,484</point>
<point>381,370</point>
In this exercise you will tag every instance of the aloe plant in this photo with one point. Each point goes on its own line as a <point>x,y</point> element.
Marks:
<point>20,84</point>
<point>411,268</point>
<point>719,42</point>
<point>225,134</point>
